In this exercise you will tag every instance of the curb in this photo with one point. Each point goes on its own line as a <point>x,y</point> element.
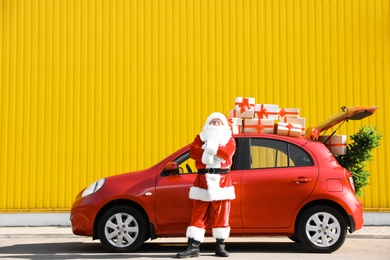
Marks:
<point>368,236</point>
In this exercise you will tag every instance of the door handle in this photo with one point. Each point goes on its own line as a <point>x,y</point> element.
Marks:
<point>302,180</point>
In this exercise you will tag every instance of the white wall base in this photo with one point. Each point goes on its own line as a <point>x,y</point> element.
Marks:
<point>377,218</point>
<point>62,219</point>
<point>34,219</point>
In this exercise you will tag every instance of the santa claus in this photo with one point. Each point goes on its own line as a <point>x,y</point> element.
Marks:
<point>212,190</point>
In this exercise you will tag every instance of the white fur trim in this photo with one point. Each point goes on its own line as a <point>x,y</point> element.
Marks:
<point>223,194</point>
<point>214,164</point>
<point>221,233</point>
<point>207,158</point>
<point>212,147</point>
<point>218,115</point>
<point>195,233</point>
<point>214,191</point>
<point>213,181</point>
<point>197,193</point>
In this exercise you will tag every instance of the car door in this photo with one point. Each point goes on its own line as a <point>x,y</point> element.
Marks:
<point>279,177</point>
<point>174,208</point>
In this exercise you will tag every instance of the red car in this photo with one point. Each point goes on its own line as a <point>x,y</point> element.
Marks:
<point>285,186</point>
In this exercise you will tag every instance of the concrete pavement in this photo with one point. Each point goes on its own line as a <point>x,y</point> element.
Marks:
<point>374,232</point>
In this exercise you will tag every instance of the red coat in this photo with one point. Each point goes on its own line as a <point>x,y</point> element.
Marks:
<point>224,152</point>
<point>212,187</point>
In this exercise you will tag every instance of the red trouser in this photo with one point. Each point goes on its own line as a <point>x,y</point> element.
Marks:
<point>214,214</point>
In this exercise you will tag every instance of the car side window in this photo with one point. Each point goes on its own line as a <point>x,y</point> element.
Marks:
<point>185,164</point>
<point>268,153</point>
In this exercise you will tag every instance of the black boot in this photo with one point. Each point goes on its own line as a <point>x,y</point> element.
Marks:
<point>220,248</point>
<point>192,250</point>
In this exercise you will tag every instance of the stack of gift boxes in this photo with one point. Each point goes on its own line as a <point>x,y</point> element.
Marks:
<point>249,117</point>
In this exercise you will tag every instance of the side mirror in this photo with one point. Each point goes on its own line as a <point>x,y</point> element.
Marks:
<point>171,168</point>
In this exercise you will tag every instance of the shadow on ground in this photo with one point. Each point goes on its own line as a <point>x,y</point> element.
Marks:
<point>94,250</point>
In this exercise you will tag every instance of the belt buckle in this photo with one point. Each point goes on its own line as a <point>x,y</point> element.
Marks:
<point>213,170</point>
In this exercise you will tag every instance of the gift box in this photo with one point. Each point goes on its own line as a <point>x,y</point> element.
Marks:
<point>299,121</point>
<point>235,124</point>
<point>237,113</point>
<point>285,113</point>
<point>244,104</point>
<point>289,129</point>
<point>266,111</point>
<point>256,125</point>
<point>337,144</point>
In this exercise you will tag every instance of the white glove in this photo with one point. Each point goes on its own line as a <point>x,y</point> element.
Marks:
<point>212,147</point>
<point>207,158</point>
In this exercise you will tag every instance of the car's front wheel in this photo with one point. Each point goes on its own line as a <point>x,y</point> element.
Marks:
<point>322,229</point>
<point>122,229</point>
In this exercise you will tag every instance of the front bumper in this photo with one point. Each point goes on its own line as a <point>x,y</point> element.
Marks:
<point>83,214</point>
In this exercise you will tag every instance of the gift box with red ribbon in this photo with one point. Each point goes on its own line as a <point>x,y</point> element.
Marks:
<point>235,124</point>
<point>337,144</point>
<point>244,103</point>
<point>266,111</point>
<point>237,113</point>
<point>299,121</point>
<point>288,129</point>
<point>256,125</point>
<point>244,107</point>
<point>285,113</point>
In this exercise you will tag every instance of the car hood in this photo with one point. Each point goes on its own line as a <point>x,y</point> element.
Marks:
<point>346,113</point>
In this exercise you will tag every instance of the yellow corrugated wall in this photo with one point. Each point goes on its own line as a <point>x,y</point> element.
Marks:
<point>95,88</point>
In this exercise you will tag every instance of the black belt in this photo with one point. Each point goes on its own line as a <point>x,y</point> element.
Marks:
<point>213,171</point>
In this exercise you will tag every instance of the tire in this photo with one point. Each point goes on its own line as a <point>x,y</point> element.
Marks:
<point>322,229</point>
<point>122,229</point>
<point>294,238</point>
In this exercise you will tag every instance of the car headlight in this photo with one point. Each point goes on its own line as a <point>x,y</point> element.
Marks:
<point>93,187</point>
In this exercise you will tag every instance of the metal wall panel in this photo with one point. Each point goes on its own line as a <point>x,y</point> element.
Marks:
<point>96,88</point>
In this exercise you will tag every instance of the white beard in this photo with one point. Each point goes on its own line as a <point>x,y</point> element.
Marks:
<point>220,134</point>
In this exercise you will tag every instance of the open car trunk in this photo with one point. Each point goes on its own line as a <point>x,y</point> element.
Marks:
<point>346,113</point>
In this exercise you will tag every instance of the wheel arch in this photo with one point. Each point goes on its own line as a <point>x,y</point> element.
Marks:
<point>338,207</point>
<point>120,202</point>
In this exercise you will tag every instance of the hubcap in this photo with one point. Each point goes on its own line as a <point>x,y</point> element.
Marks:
<point>121,230</point>
<point>323,229</point>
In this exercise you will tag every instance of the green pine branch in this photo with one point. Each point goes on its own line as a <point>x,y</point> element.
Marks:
<point>359,153</point>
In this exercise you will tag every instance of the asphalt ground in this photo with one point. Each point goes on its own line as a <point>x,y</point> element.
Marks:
<point>372,232</point>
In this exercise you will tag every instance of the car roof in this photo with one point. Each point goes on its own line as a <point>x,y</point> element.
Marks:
<point>302,139</point>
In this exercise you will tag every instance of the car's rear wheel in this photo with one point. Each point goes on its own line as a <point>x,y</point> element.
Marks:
<point>122,229</point>
<point>322,229</point>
